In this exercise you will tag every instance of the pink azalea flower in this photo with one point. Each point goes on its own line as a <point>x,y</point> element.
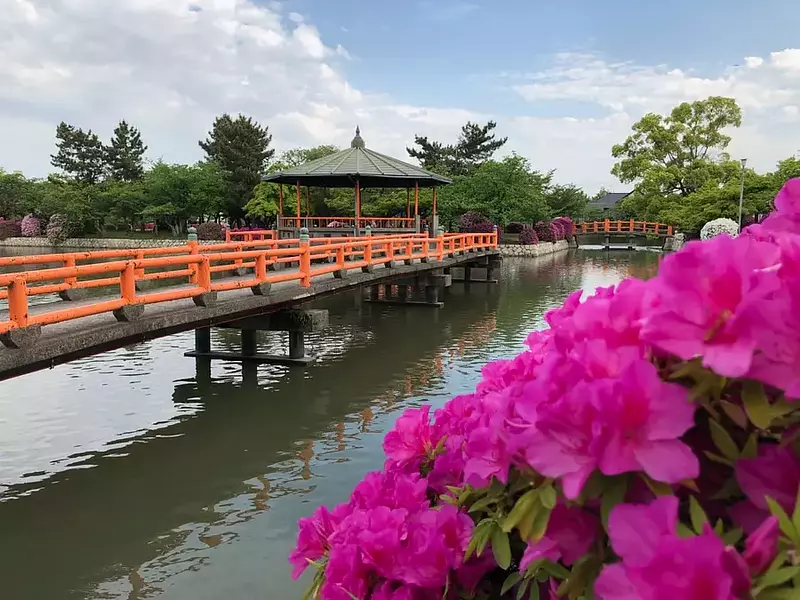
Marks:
<point>487,456</point>
<point>644,419</point>
<point>563,442</point>
<point>786,217</point>
<point>761,547</point>
<point>410,440</point>
<point>570,533</point>
<point>711,297</point>
<point>393,489</point>
<point>558,315</point>
<point>775,472</point>
<point>313,537</point>
<point>659,565</point>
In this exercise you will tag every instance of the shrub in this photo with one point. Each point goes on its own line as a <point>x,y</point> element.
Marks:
<point>31,226</point>
<point>474,222</point>
<point>9,229</point>
<point>528,236</point>
<point>718,227</point>
<point>545,231</point>
<point>558,230</point>
<point>211,231</point>
<point>514,227</point>
<point>567,225</point>
<point>59,228</point>
<point>620,456</point>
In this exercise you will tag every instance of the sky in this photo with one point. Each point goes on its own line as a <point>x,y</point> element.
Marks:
<point>564,80</point>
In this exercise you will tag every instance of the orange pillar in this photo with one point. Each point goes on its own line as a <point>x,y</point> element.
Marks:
<point>297,219</point>
<point>416,198</point>
<point>280,203</point>
<point>408,203</point>
<point>358,205</point>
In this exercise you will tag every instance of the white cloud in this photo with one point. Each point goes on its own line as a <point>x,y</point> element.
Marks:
<point>753,62</point>
<point>171,67</point>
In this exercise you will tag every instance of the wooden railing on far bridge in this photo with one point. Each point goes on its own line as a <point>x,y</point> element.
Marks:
<point>347,222</point>
<point>626,226</point>
<point>126,270</point>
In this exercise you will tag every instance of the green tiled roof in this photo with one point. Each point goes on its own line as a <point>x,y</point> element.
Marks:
<point>371,168</point>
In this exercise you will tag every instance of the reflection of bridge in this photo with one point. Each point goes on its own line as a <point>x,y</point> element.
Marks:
<point>105,522</point>
<point>284,273</point>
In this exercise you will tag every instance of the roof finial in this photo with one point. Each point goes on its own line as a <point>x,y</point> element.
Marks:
<point>357,141</point>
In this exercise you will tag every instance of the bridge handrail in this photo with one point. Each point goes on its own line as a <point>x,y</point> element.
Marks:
<point>623,226</point>
<point>198,266</point>
<point>321,222</point>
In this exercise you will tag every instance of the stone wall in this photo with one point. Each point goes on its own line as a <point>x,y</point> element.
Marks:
<point>91,243</point>
<point>539,249</point>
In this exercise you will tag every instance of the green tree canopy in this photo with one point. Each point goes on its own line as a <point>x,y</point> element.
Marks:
<point>504,191</point>
<point>124,155</point>
<point>80,154</point>
<point>476,144</point>
<point>16,195</point>
<point>679,153</point>
<point>240,146</point>
<point>566,201</point>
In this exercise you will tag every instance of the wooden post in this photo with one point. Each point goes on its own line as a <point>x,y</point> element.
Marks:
<point>280,204</point>
<point>416,198</point>
<point>434,202</point>
<point>358,207</point>
<point>297,219</point>
<point>18,302</point>
<point>308,202</point>
<point>408,203</point>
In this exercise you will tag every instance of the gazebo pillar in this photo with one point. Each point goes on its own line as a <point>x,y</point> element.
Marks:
<point>434,216</point>
<point>308,206</point>
<point>408,203</point>
<point>358,207</point>
<point>416,207</point>
<point>280,205</point>
<point>297,219</point>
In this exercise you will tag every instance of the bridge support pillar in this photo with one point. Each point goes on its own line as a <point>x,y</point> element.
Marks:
<point>21,338</point>
<point>491,264</point>
<point>425,290</point>
<point>73,294</point>
<point>297,322</point>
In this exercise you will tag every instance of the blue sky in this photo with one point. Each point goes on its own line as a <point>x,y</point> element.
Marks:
<point>564,80</point>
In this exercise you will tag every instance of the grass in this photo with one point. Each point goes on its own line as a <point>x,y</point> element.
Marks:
<point>135,235</point>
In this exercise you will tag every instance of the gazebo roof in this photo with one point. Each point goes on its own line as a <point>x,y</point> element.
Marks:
<point>357,163</point>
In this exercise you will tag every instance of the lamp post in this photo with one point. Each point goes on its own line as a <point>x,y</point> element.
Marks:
<point>741,193</point>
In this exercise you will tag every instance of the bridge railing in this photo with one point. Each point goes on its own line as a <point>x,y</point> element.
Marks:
<point>249,235</point>
<point>623,226</point>
<point>347,222</point>
<point>197,264</point>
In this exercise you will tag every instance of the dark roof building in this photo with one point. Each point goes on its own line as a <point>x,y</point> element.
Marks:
<point>358,163</point>
<point>609,201</point>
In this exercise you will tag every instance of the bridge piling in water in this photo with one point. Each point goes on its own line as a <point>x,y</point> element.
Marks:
<point>296,322</point>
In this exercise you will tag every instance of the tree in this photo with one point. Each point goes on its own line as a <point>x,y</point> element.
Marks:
<point>504,191</point>
<point>680,153</point>
<point>476,144</point>
<point>80,154</point>
<point>15,194</point>
<point>124,156</point>
<point>240,147</point>
<point>567,201</point>
<point>264,204</point>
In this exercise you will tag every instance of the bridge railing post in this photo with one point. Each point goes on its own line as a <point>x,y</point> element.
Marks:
<point>340,257</point>
<point>204,274</point>
<point>127,283</point>
<point>669,229</point>
<point>607,225</point>
<point>193,249</point>
<point>18,302</point>
<point>305,258</point>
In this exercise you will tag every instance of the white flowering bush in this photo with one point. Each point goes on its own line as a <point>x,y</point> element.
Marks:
<point>717,227</point>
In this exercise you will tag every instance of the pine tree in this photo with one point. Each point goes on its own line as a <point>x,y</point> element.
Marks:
<point>476,144</point>
<point>80,153</point>
<point>240,147</point>
<point>124,156</point>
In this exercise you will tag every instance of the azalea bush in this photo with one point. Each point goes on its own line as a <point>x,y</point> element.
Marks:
<point>58,228</point>
<point>719,227</point>
<point>31,226</point>
<point>645,446</point>
<point>515,227</point>
<point>567,225</point>
<point>528,236</point>
<point>9,228</point>
<point>545,231</point>
<point>210,231</point>
<point>474,222</point>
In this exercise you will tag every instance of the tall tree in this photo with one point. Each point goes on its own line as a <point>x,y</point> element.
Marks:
<point>567,201</point>
<point>679,153</point>
<point>240,146</point>
<point>476,144</point>
<point>80,153</point>
<point>124,156</point>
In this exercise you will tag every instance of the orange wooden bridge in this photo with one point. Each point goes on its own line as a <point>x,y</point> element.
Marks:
<point>114,297</point>
<point>627,227</point>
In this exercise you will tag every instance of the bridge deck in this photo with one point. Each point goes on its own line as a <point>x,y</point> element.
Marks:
<point>64,341</point>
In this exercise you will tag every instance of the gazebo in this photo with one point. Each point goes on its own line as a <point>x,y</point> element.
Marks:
<point>356,167</point>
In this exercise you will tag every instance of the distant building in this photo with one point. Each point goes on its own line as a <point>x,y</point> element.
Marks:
<point>608,202</point>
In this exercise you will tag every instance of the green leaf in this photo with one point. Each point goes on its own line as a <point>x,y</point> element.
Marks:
<point>512,580</point>
<point>523,588</point>
<point>556,570</point>
<point>735,413</point>
<point>534,592</point>
<point>782,594</point>
<point>732,537</point>
<point>524,506</point>
<point>548,497</point>
<point>480,537</point>
<point>657,487</point>
<point>613,495</point>
<point>723,441</point>
<point>778,576</point>
<point>684,531</point>
<point>540,521</point>
<point>697,515</point>
<point>482,504</point>
<point>796,514</point>
<point>501,548</point>
<point>758,407</point>
<point>787,526</point>
<point>750,449</point>
<point>717,458</point>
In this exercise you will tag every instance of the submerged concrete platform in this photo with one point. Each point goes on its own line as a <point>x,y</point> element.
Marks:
<point>62,342</point>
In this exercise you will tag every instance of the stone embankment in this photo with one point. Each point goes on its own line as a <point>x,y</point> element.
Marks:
<point>539,249</point>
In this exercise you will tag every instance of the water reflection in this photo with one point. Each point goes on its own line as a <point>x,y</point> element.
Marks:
<point>195,494</point>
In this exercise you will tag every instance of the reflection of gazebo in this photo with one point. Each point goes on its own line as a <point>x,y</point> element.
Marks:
<point>359,168</point>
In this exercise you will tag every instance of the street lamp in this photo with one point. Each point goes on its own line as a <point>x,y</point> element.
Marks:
<point>741,193</point>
